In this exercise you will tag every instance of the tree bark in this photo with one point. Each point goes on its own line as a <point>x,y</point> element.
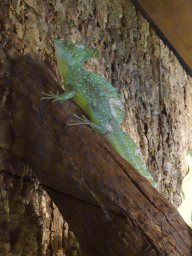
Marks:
<point>111,208</point>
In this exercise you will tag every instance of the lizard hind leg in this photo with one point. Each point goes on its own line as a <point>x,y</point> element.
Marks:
<point>85,121</point>
<point>65,96</point>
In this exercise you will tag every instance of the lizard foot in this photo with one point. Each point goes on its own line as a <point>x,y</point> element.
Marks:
<point>86,121</point>
<point>65,96</point>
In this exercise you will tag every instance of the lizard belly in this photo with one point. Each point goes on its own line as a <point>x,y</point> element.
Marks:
<point>80,100</point>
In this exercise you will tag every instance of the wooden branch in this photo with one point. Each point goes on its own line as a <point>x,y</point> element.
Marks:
<point>111,208</point>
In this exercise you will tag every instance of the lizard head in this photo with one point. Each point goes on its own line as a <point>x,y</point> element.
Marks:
<point>73,54</point>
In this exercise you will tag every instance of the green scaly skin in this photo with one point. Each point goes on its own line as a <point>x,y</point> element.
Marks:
<point>98,99</point>
<point>185,209</point>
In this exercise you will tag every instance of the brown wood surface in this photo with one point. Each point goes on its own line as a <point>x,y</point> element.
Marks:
<point>110,207</point>
<point>174,19</point>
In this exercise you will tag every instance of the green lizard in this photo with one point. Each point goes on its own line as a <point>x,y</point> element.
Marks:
<point>97,97</point>
<point>185,209</point>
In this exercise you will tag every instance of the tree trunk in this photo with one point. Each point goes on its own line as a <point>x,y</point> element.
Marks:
<point>157,96</point>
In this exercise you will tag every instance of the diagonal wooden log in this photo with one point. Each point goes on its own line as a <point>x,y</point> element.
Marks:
<point>110,207</point>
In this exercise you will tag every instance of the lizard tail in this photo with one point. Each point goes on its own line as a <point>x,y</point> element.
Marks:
<point>128,149</point>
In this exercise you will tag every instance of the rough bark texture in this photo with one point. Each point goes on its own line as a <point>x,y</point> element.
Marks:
<point>152,84</point>
<point>112,209</point>
<point>30,223</point>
